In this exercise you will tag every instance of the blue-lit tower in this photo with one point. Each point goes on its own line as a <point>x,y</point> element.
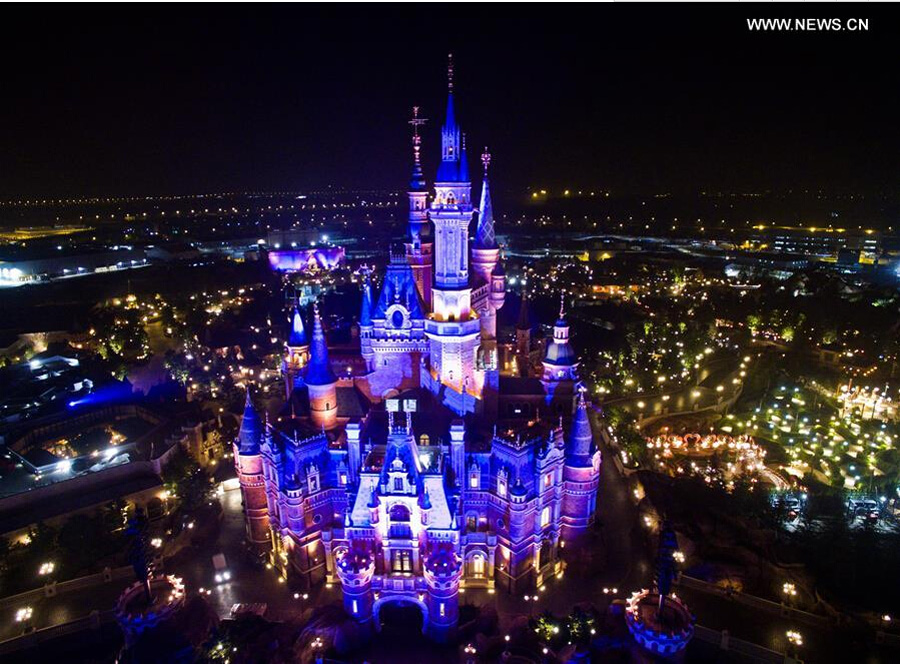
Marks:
<point>452,326</point>
<point>320,379</point>
<point>296,354</point>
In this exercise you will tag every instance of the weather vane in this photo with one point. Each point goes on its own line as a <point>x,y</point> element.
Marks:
<point>486,159</point>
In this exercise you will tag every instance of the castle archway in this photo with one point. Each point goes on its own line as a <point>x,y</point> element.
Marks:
<point>400,614</point>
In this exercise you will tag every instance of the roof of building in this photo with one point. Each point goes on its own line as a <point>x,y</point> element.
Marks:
<point>318,371</point>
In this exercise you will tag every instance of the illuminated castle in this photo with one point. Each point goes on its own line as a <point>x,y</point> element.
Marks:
<point>422,465</point>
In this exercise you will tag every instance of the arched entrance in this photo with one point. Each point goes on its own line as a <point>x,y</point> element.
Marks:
<point>399,615</point>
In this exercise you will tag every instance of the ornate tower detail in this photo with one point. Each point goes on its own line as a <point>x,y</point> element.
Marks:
<point>248,464</point>
<point>485,261</point>
<point>442,571</point>
<point>560,362</point>
<point>366,327</point>
<point>419,248</point>
<point>453,327</point>
<point>296,354</point>
<point>581,474</point>
<point>320,379</point>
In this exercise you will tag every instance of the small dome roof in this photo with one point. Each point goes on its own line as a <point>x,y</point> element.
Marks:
<point>561,354</point>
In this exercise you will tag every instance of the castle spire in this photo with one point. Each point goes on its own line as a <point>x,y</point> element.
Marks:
<point>484,234</point>
<point>417,181</point>
<point>448,171</point>
<point>365,316</point>
<point>251,429</point>
<point>581,437</point>
<point>319,372</point>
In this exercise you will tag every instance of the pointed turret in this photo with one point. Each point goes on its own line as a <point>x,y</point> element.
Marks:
<point>297,336</point>
<point>319,372</point>
<point>484,234</point>
<point>321,383</point>
<point>524,322</point>
<point>251,430</point>
<point>248,465</point>
<point>365,314</point>
<point>448,171</point>
<point>581,438</point>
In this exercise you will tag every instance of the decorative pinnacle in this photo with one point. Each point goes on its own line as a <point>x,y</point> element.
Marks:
<point>450,72</point>
<point>562,304</point>
<point>416,122</point>
<point>486,159</point>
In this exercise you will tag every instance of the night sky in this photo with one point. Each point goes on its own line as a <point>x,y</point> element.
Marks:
<point>189,99</point>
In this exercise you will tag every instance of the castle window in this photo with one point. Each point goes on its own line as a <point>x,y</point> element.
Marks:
<point>343,478</point>
<point>355,606</point>
<point>443,610</point>
<point>471,523</point>
<point>398,484</point>
<point>424,439</point>
<point>478,565</point>
<point>545,554</point>
<point>473,479</point>
<point>545,517</point>
<point>401,561</point>
<point>501,488</point>
<point>547,479</point>
<point>313,483</point>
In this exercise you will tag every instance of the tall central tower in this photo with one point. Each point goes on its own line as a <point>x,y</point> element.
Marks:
<point>452,326</point>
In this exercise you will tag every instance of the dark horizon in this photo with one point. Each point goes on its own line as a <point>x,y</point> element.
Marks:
<point>294,98</point>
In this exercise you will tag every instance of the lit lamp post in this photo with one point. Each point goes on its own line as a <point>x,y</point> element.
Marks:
<point>470,652</point>
<point>317,648</point>
<point>788,590</point>
<point>531,599</point>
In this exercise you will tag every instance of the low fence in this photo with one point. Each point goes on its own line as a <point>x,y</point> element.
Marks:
<point>724,641</point>
<point>756,602</point>
<point>53,589</point>
<point>90,623</point>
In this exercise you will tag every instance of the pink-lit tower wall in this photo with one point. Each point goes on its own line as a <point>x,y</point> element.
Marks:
<point>419,248</point>
<point>248,464</point>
